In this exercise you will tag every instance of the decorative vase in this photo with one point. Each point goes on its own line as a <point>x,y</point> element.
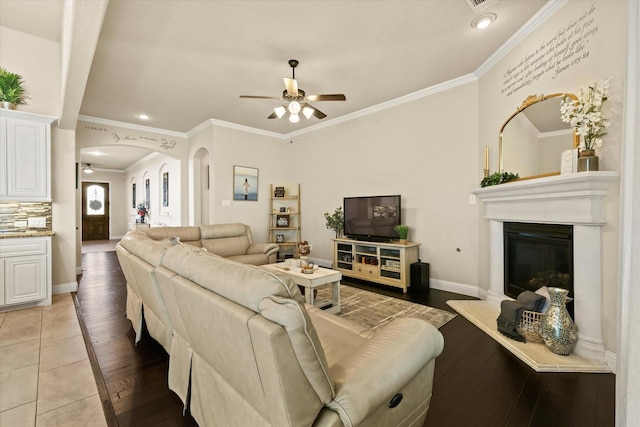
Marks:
<point>557,328</point>
<point>403,241</point>
<point>587,161</point>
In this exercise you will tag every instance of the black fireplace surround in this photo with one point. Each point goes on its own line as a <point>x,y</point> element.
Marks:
<point>537,255</point>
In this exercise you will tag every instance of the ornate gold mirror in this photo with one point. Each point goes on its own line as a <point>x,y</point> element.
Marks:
<point>533,138</point>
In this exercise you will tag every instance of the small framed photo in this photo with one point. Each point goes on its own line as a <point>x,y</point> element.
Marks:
<point>245,183</point>
<point>278,192</point>
<point>279,238</point>
<point>282,220</point>
<point>283,209</point>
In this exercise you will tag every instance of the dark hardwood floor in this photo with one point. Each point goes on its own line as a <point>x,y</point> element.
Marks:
<point>477,382</point>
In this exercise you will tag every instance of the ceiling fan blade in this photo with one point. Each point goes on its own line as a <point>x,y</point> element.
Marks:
<point>327,97</point>
<point>259,97</point>
<point>316,113</point>
<point>273,116</point>
<point>292,86</point>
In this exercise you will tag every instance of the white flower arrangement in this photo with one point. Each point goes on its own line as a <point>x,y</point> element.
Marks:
<point>585,114</point>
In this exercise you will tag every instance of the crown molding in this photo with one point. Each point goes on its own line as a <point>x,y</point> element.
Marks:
<point>235,126</point>
<point>423,93</point>
<point>532,24</point>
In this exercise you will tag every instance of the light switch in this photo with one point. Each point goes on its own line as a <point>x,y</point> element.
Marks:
<point>226,203</point>
<point>472,199</point>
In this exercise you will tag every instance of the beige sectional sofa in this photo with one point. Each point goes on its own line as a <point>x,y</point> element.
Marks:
<point>246,351</point>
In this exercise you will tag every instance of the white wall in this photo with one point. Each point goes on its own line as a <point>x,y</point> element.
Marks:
<point>38,61</point>
<point>606,58</point>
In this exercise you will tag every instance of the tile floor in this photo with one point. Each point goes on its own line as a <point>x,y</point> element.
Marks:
<point>45,373</point>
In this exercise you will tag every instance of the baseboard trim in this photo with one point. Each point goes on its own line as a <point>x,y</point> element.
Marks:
<point>65,288</point>
<point>458,288</point>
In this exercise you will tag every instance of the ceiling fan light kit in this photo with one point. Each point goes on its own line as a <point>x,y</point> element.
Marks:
<point>296,100</point>
<point>87,168</point>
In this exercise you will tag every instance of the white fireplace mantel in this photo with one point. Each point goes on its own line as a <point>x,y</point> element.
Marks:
<point>561,199</point>
<point>574,199</point>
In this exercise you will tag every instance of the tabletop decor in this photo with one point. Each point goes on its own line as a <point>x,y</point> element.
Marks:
<point>335,221</point>
<point>403,233</point>
<point>586,118</point>
<point>142,213</point>
<point>557,329</point>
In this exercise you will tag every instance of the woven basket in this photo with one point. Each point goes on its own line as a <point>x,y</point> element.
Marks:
<point>529,326</point>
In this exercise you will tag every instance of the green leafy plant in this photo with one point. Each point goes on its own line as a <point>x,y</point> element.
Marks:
<point>11,89</point>
<point>498,178</point>
<point>402,230</point>
<point>335,221</point>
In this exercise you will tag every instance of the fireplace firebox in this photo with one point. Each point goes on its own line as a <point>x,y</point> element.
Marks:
<point>537,255</point>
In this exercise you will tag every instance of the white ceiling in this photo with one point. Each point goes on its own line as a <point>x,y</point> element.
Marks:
<point>184,62</point>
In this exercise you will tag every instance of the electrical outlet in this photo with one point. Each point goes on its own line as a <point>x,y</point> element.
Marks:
<point>472,199</point>
<point>38,222</point>
<point>20,224</point>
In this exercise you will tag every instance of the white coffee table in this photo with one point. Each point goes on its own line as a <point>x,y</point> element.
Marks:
<point>319,277</point>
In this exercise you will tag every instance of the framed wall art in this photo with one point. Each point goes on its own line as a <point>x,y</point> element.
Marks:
<point>165,189</point>
<point>245,183</point>
<point>147,193</point>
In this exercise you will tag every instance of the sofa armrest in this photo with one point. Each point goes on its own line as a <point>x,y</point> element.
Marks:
<point>375,371</point>
<point>262,248</point>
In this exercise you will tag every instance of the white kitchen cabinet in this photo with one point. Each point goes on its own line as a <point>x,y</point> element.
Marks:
<point>25,156</point>
<point>25,267</point>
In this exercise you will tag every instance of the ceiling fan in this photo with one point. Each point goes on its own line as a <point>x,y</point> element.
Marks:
<point>296,101</point>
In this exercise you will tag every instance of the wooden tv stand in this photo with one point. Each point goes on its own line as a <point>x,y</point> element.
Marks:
<point>385,263</point>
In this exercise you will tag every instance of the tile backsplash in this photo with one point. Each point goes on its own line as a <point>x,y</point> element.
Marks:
<point>14,216</point>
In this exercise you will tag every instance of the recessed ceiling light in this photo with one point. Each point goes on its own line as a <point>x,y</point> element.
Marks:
<point>143,117</point>
<point>483,21</point>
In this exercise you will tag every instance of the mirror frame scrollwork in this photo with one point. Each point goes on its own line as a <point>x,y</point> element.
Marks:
<point>531,100</point>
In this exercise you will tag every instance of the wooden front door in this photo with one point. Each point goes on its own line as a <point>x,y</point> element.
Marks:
<point>95,211</point>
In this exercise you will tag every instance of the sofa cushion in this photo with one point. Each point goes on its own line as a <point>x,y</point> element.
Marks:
<point>226,239</point>
<point>304,339</point>
<point>189,235</point>
<point>145,247</point>
<point>243,284</point>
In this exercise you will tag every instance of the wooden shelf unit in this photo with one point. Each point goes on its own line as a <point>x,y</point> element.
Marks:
<point>291,232</point>
<point>385,263</point>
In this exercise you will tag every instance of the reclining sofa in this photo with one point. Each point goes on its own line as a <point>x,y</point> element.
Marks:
<point>245,350</point>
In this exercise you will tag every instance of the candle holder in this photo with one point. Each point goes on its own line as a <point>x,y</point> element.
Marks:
<point>486,172</point>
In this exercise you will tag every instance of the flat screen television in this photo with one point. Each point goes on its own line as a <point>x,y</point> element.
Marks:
<point>372,218</point>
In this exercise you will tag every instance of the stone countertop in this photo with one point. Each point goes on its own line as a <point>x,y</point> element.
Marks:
<point>17,234</point>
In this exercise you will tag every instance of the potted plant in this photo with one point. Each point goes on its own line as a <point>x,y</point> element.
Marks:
<point>403,233</point>
<point>586,118</point>
<point>142,213</point>
<point>335,221</point>
<point>11,90</point>
<point>498,178</point>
